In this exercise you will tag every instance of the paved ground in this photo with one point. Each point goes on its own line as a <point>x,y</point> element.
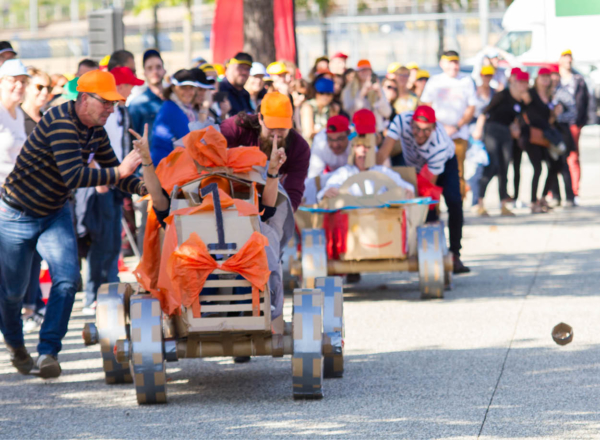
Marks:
<point>480,363</point>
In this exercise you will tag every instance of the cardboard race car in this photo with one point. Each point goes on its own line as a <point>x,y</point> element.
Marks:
<point>380,232</point>
<point>206,284</point>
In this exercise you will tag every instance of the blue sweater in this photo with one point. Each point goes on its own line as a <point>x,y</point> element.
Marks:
<point>143,110</point>
<point>171,124</point>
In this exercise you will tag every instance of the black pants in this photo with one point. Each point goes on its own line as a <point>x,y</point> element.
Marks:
<point>561,167</point>
<point>517,155</point>
<point>537,155</point>
<point>450,183</point>
<point>499,145</point>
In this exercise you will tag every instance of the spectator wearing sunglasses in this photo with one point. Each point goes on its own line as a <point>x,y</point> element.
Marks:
<point>299,91</point>
<point>37,95</point>
<point>315,112</point>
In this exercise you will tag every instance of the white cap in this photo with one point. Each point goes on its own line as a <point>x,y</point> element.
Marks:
<point>13,67</point>
<point>258,69</point>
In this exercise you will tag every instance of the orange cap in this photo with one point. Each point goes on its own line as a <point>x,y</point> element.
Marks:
<point>100,83</point>
<point>276,110</point>
<point>363,64</point>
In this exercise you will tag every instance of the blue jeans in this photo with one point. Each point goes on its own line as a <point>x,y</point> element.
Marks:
<point>105,247</point>
<point>33,297</point>
<point>20,233</point>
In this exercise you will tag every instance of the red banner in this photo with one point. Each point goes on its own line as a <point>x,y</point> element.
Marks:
<point>227,36</point>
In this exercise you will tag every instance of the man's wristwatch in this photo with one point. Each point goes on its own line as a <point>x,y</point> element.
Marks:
<point>273,176</point>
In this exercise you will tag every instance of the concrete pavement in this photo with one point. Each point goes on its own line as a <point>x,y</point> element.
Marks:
<point>479,363</point>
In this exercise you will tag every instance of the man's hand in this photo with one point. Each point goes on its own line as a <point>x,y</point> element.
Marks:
<point>409,194</point>
<point>331,192</point>
<point>450,130</point>
<point>277,159</point>
<point>141,145</point>
<point>130,164</point>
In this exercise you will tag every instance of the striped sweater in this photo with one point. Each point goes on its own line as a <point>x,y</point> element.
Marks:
<point>54,162</point>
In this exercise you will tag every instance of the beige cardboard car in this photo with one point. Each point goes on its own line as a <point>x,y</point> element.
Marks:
<point>381,232</point>
<point>137,337</point>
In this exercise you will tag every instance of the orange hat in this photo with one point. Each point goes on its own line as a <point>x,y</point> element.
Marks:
<point>101,83</point>
<point>363,64</point>
<point>276,110</point>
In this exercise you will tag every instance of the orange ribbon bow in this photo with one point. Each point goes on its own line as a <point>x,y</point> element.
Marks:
<point>191,264</point>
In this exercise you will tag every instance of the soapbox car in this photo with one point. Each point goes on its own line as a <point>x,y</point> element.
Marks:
<point>215,240</point>
<point>379,232</point>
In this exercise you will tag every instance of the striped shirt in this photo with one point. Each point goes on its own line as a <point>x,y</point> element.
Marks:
<point>438,149</point>
<point>54,162</point>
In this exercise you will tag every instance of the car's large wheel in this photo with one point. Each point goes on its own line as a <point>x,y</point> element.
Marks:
<point>314,256</point>
<point>147,358</point>
<point>307,330</point>
<point>111,311</point>
<point>333,325</point>
<point>431,243</point>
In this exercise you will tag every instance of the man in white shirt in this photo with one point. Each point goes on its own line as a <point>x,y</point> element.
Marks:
<point>362,158</point>
<point>330,151</point>
<point>452,95</point>
<point>425,142</point>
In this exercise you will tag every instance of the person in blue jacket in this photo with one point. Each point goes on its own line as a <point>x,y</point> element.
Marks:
<point>176,112</point>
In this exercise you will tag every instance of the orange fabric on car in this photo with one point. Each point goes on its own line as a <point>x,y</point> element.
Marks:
<point>208,147</point>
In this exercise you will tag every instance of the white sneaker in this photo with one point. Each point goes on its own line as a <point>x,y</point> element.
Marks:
<point>33,323</point>
<point>576,201</point>
<point>90,310</point>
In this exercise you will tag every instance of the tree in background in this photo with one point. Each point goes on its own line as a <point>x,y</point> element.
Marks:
<point>187,21</point>
<point>259,30</point>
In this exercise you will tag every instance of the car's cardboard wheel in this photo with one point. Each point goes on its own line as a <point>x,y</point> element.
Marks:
<point>147,358</point>
<point>314,256</point>
<point>431,243</point>
<point>333,325</point>
<point>307,331</point>
<point>111,326</point>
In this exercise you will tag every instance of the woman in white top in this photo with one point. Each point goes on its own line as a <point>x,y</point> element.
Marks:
<point>13,81</point>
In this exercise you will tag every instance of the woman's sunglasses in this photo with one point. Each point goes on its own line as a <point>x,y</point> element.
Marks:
<point>41,87</point>
<point>395,89</point>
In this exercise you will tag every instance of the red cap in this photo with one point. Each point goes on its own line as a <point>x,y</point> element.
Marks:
<point>340,55</point>
<point>338,124</point>
<point>364,122</point>
<point>515,70</point>
<point>124,75</point>
<point>544,71</point>
<point>424,113</point>
<point>553,68</point>
<point>522,76</point>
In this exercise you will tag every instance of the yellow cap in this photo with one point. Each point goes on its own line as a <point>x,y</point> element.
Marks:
<point>412,65</point>
<point>220,69</point>
<point>566,52</point>
<point>422,74</point>
<point>487,70</point>
<point>277,68</point>
<point>393,67</point>
<point>450,58</point>
<point>104,61</point>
